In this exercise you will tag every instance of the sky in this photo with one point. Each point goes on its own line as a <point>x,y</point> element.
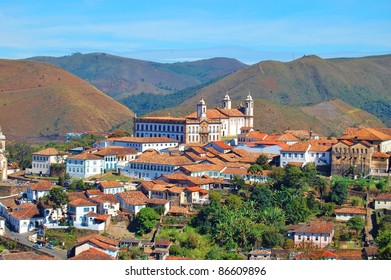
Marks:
<point>171,30</point>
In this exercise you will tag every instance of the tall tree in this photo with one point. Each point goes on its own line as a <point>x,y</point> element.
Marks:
<point>339,192</point>
<point>146,220</point>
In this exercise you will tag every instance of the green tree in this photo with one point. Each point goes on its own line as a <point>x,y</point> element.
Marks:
<point>356,223</point>
<point>271,238</point>
<point>239,182</point>
<point>146,220</point>
<point>263,161</point>
<point>339,192</point>
<point>255,169</point>
<point>262,196</point>
<point>21,153</point>
<point>234,201</point>
<point>58,197</point>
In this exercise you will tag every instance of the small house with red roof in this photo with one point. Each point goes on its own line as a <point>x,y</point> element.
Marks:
<point>98,243</point>
<point>84,165</point>
<point>111,187</point>
<point>43,159</point>
<point>78,208</point>
<point>196,195</point>
<point>37,190</point>
<point>132,201</point>
<point>220,146</point>
<point>24,218</point>
<point>317,234</point>
<point>107,204</point>
<point>346,213</point>
<point>306,152</point>
<point>382,201</point>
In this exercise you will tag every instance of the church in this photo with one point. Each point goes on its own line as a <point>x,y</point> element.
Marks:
<point>203,126</point>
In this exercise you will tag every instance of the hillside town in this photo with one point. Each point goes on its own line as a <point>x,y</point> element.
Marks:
<point>205,186</point>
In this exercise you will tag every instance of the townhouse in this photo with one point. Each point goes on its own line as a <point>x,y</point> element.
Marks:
<point>44,159</point>
<point>139,143</point>
<point>152,164</point>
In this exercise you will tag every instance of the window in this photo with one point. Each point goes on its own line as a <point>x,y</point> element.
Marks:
<point>86,209</point>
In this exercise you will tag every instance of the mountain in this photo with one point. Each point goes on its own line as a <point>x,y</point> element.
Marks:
<point>120,77</point>
<point>364,83</point>
<point>39,100</point>
<point>324,94</point>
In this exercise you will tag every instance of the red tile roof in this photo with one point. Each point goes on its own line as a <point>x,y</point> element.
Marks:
<point>383,196</point>
<point>380,155</point>
<point>42,186</point>
<point>92,254</point>
<point>104,242</point>
<point>25,211</point>
<point>105,198</point>
<point>110,184</point>
<point>316,255</point>
<point>369,134</point>
<point>346,210</point>
<point>49,152</point>
<point>81,202</point>
<point>86,156</point>
<point>143,140</point>
<point>133,197</point>
<point>314,227</point>
<point>157,201</point>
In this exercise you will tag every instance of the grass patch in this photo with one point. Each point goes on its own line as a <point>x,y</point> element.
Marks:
<point>66,238</point>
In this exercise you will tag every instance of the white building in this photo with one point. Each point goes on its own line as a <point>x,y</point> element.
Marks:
<point>107,204</point>
<point>203,126</point>
<point>306,152</point>
<point>115,157</point>
<point>382,201</point>
<point>152,164</point>
<point>132,201</point>
<point>78,208</point>
<point>25,218</point>
<point>37,190</point>
<point>42,160</point>
<point>317,234</point>
<point>84,165</point>
<point>139,143</point>
<point>111,187</point>
<point>2,226</point>
<point>345,214</point>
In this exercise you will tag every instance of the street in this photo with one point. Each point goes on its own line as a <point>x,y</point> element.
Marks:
<point>23,239</point>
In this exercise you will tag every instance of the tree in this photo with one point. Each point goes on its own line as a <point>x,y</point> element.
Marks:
<point>20,153</point>
<point>255,169</point>
<point>234,201</point>
<point>58,197</point>
<point>262,196</point>
<point>356,223</point>
<point>238,182</point>
<point>339,192</point>
<point>263,161</point>
<point>146,220</point>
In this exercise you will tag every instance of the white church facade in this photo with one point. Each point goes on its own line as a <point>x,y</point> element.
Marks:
<point>203,126</point>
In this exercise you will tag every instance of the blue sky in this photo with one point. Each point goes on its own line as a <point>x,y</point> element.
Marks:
<point>186,30</point>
